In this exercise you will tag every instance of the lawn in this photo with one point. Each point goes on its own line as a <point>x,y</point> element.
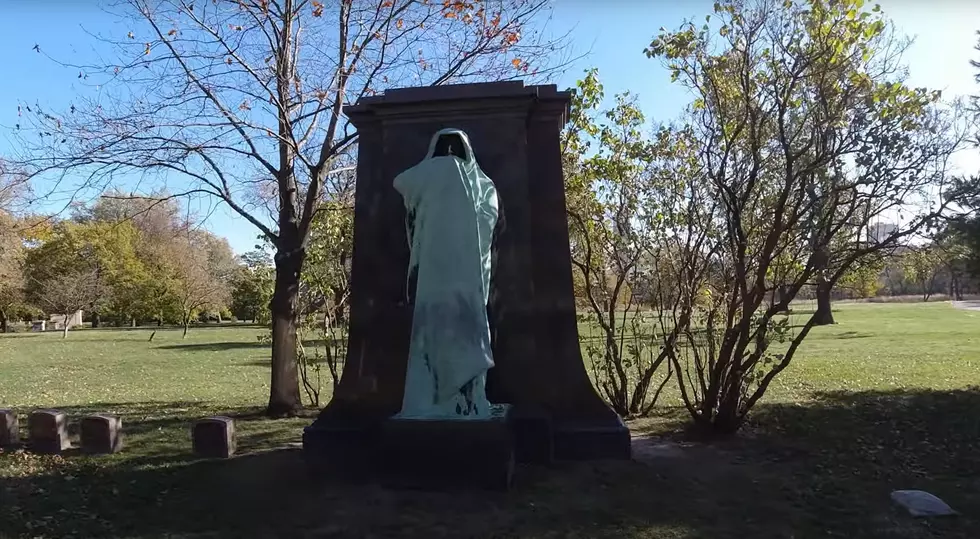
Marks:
<point>886,399</point>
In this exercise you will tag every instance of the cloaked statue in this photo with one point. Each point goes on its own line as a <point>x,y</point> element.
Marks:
<point>452,209</point>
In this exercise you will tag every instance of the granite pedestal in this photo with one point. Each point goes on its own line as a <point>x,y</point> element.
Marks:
<point>425,453</point>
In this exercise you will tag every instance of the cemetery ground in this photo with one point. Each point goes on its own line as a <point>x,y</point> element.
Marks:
<point>887,399</point>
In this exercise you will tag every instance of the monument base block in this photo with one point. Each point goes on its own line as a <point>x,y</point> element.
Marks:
<point>608,439</point>
<point>440,453</point>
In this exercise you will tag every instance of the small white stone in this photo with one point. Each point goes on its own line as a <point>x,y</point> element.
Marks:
<point>920,503</point>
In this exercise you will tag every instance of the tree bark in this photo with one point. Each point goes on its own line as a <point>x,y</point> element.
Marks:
<point>781,294</point>
<point>823,315</point>
<point>3,322</point>
<point>284,395</point>
<point>96,320</point>
<point>187,322</point>
<point>64,335</point>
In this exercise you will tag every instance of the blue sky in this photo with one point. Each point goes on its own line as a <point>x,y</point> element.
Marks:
<point>613,32</point>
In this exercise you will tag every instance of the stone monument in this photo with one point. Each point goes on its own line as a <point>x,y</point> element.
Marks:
<point>513,134</point>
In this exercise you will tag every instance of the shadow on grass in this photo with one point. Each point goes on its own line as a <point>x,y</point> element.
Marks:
<point>168,327</point>
<point>854,335</point>
<point>821,469</point>
<point>215,346</point>
<point>230,345</point>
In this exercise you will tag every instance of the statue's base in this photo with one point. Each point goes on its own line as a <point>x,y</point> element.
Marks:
<point>342,447</point>
<point>446,453</point>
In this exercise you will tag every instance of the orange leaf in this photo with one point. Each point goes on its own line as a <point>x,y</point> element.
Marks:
<point>173,31</point>
<point>317,8</point>
<point>450,15</point>
<point>387,3</point>
<point>516,62</point>
<point>398,24</point>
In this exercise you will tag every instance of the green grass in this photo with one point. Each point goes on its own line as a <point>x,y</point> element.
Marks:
<point>886,399</point>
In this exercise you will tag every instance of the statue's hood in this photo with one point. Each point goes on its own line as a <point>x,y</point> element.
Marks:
<point>470,156</point>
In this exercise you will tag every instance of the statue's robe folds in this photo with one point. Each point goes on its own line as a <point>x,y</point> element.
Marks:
<point>452,208</point>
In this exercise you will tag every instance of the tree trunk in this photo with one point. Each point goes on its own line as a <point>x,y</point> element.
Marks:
<point>64,335</point>
<point>3,322</point>
<point>823,315</point>
<point>96,320</point>
<point>187,322</point>
<point>284,395</point>
<point>781,294</point>
<point>133,322</point>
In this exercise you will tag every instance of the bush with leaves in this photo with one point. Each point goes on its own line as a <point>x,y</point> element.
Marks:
<point>804,135</point>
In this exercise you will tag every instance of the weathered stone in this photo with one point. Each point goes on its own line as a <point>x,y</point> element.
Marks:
<point>921,504</point>
<point>48,431</point>
<point>214,437</point>
<point>9,429</point>
<point>514,130</point>
<point>101,434</point>
<point>440,453</point>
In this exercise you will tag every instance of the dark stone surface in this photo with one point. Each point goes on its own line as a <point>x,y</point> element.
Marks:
<point>576,440</point>
<point>9,429</point>
<point>428,454</point>
<point>342,451</point>
<point>533,436</point>
<point>514,130</point>
<point>48,431</point>
<point>101,434</point>
<point>214,437</point>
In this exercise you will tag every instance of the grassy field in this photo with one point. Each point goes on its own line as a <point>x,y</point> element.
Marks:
<point>886,399</point>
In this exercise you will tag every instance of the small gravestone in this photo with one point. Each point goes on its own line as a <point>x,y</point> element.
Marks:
<point>920,503</point>
<point>9,435</point>
<point>214,437</point>
<point>101,434</point>
<point>48,430</point>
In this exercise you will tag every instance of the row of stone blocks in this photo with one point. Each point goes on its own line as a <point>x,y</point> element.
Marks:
<point>213,437</point>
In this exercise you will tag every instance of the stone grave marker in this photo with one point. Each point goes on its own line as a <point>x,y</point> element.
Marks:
<point>9,429</point>
<point>101,434</point>
<point>48,431</point>
<point>214,437</point>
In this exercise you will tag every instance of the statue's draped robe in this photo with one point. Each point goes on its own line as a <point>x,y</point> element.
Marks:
<point>452,210</point>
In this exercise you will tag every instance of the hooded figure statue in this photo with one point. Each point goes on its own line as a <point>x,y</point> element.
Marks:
<point>452,209</point>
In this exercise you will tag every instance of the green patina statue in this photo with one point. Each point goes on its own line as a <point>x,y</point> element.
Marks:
<point>452,208</point>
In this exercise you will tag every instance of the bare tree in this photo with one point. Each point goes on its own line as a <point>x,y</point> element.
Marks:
<point>228,98</point>
<point>805,135</point>
<point>69,293</point>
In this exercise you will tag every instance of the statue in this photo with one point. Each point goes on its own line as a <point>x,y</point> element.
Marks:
<point>451,208</point>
